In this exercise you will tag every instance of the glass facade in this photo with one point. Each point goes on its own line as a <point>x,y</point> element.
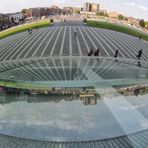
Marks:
<point>74,101</point>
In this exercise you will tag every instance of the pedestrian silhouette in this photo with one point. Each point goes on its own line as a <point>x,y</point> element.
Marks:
<point>139,54</point>
<point>140,37</point>
<point>91,52</point>
<point>97,52</point>
<point>76,32</point>
<point>116,54</point>
<point>30,30</point>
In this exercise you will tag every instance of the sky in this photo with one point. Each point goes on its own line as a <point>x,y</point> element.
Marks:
<point>134,8</point>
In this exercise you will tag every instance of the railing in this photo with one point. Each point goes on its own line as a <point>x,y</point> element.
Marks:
<point>135,62</point>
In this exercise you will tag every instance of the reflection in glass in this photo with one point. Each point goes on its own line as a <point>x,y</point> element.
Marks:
<point>73,99</point>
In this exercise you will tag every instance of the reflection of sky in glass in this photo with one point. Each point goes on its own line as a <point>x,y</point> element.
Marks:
<point>140,103</point>
<point>58,121</point>
<point>129,118</point>
<point>114,114</point>
<point>72,120</point>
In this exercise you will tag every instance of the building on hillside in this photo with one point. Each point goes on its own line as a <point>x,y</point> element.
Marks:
<point>4,21</point>
<point>55,10</point>
<point>113,14</point>
<point>104,11</point>
<point>77,9</point>
<point>133,21</point>
<point>16,18</point>
<point>88,13</point>
<point>1,18</point>
<point>87,7</point>
<point>4,18</point>
<point>68,10</point>
<point>37,12</point>
<point>95,7</point>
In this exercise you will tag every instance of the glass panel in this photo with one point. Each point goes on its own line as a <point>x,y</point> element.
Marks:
<point>73,98</point>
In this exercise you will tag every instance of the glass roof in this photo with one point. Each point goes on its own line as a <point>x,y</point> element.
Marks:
<point>73,99</point>
<point>74,71</point>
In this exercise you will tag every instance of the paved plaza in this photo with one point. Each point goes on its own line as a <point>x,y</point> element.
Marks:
<point>59,39</point>
<point>57,58</point>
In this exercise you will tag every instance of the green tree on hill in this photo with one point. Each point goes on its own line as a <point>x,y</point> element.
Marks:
<point>102,14</point>
<point>105,14</point>
<point>142,23</point>
<point>146,24</point>
<point>120,17</point>
<point>24,11</point>
<point>77,11</point>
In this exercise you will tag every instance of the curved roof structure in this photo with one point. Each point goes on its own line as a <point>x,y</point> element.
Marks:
<point>120,142</point>
<point>53,95</point>
<point>75,71</point>
<point>72,127</point>
<point>62,41</point>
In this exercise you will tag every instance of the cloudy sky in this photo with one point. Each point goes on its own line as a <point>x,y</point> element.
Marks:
<point>135,8</point>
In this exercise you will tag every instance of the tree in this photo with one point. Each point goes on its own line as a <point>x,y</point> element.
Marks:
<point>102,14</point>
<point>24,11</point>
<point>146,25</point>
<point>85,20</point>
<point>120,17</point>
<point>105,14</point>
<point>77,11</point>
<point>142,23</point>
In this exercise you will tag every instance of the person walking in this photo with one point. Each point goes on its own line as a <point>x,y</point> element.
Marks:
<point>76,32</point>
<point>139,54</point>
<point>116,53</point>
<point>30,30</point>
<point>140,37</point>
<point>97,52</point>
<point>91,52</point>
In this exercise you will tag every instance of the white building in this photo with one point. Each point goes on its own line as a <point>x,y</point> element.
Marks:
<point>95,7</point>
<point>87,7</point>
<point>16,17</point>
